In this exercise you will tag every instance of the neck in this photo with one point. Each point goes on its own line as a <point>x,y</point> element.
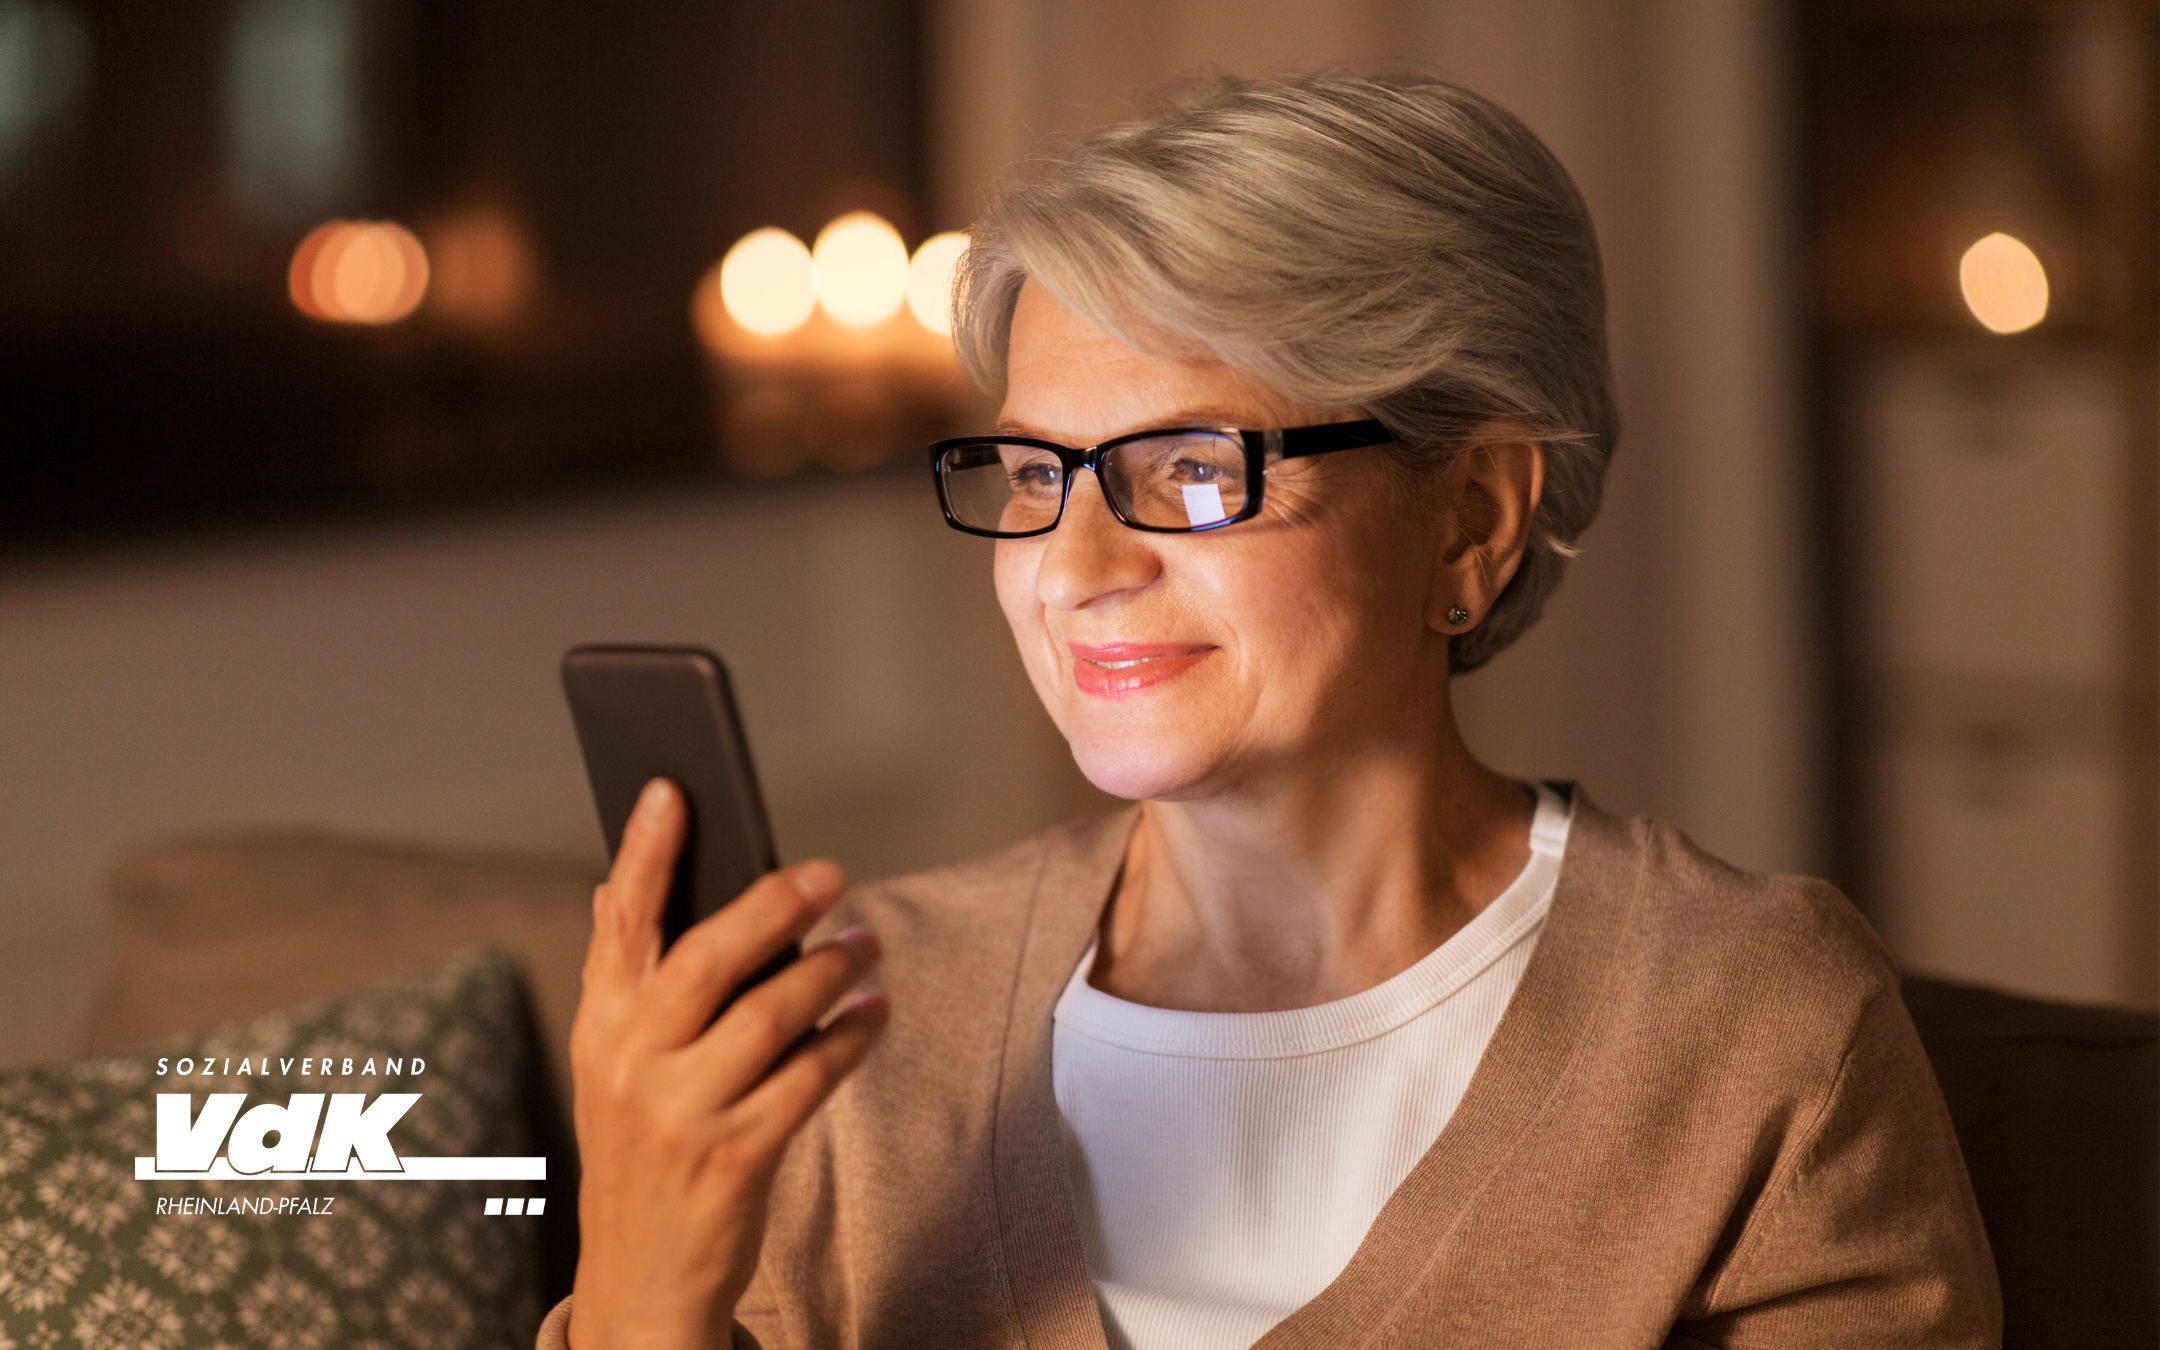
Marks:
<point>1318,882</point>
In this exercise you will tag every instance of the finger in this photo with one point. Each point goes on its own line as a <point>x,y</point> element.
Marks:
<point>776,1108</point>
<point>625,939</point>
<point>628,905</point>
<point>764,1023</point>
<point>720,952</point>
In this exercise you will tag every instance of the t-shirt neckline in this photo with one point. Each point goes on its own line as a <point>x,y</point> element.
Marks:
<point>1512,917</point>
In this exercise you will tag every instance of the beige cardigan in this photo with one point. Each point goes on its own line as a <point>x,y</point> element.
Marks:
<point>1705,1120</point>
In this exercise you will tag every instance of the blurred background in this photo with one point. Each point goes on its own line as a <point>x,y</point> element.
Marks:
<point>359,356</point>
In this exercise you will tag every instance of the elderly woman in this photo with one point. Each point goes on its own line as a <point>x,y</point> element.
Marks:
<point>1339,1037</point>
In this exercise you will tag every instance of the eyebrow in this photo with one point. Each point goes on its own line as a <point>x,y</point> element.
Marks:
<point>1184,417</point>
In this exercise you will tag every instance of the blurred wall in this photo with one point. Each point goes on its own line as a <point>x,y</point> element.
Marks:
<point>1677,672</point>
<point>401,681</point>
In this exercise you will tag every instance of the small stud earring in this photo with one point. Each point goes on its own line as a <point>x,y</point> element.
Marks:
<point>1458,615</point>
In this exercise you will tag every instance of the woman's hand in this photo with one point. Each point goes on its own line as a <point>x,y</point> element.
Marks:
<point>679,1125</point>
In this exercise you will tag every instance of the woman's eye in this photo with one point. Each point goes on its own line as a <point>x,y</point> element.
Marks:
<point>1195,471</point>
<point>1035,477</point>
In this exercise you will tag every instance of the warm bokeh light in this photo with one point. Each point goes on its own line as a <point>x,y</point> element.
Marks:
<point>764,284</point>
<point>2005,286</point>
<point>481,269</point>
<point>379,276</point>
<point>862,269</point>
<point>930,281</point>
<point>368,272</point>
<point>300,277</point>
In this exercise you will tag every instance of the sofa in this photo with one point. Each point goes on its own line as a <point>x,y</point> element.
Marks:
<point>2057,1106</point>
<point>212,928</point>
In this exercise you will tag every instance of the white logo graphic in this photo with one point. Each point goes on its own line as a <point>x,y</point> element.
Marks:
<point>354,1146</point>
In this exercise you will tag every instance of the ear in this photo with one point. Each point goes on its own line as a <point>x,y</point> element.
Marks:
<point>1487,498</point>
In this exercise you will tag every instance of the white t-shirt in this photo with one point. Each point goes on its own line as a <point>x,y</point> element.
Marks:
<point>1228,1164</point>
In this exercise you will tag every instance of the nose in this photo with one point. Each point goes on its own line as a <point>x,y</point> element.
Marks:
<point>1091,556</point>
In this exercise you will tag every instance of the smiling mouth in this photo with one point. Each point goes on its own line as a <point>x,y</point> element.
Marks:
<point>1120,669</point>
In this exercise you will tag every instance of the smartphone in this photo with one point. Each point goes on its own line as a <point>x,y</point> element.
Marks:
<point>669,712</point>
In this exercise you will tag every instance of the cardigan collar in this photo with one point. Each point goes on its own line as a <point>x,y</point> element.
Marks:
<point>1038,1218</point>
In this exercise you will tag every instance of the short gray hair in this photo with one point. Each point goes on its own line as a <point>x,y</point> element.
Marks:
<point>1396,245</point>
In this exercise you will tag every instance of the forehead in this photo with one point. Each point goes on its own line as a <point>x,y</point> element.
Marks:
<point>1068,380</point>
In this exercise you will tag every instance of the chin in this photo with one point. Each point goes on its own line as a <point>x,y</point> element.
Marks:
<point>1160,746</point>
<point>1140,769</point>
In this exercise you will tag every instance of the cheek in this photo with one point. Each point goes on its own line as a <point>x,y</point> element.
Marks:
<point>1313,616</point>
<point>1276,602</point>
<point>1013,574</point>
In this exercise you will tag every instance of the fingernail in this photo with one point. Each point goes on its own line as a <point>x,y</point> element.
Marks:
<point>856,935</point>
<point>818,880</point>
<point>876,1001</point>
<point>652,801</point>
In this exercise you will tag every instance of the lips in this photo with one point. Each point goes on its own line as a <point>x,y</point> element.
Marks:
<point>1121,669</point>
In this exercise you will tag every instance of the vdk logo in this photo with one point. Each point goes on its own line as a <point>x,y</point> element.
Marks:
<point>354,1144</point>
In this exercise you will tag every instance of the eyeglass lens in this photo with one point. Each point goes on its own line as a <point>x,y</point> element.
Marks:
<point>1179,481</point>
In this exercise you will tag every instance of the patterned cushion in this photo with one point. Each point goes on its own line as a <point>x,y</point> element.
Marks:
<point>87,1261</point>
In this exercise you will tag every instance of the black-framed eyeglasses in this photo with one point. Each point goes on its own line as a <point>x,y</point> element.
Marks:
<point>1172,480</point>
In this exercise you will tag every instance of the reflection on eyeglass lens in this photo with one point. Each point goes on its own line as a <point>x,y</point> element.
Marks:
<point>1182,480</point>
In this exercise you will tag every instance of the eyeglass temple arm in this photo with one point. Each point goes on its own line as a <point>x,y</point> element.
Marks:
<point>1320,440</point>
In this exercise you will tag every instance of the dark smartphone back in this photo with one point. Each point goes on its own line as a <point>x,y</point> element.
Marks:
<point>668,712</point>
